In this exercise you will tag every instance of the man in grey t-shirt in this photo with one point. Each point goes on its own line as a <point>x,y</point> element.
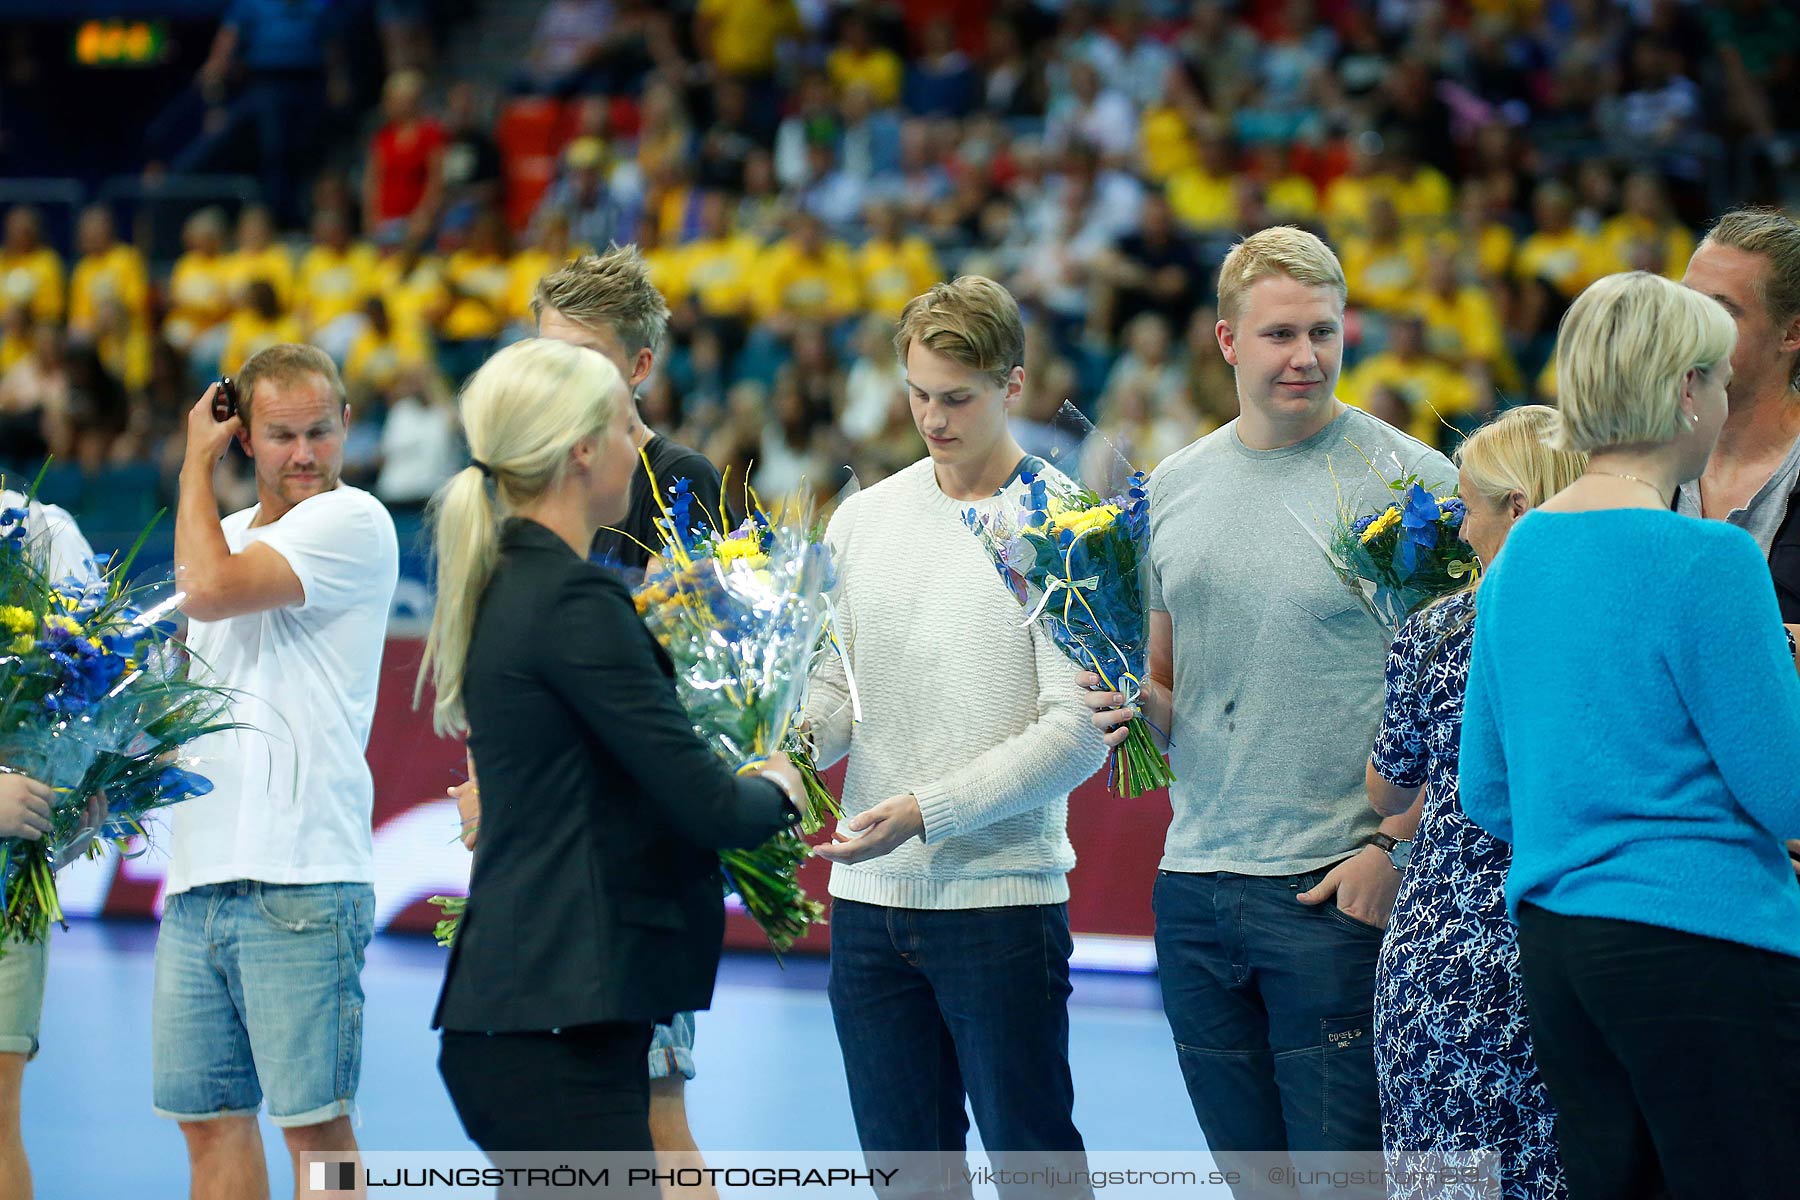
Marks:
<point>1267,671</point>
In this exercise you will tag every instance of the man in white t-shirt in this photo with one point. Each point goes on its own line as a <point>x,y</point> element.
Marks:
<point>25,812</point>
<point>269,902</point>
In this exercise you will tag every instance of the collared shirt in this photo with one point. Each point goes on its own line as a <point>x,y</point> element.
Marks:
<point>1762,517</point>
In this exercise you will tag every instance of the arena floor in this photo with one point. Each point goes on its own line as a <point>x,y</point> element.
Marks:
<point>765,1049</point>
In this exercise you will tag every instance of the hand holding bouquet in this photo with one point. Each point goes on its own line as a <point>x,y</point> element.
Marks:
<point>1071,557</point>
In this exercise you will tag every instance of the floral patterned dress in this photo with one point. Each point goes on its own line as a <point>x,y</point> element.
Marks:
<point>1452,1044</point>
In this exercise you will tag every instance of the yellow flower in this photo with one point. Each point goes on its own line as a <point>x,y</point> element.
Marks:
<point>20,645</point>
<point>1086,520</point>
<point>741,549</point>
<point>16,620</point>
<point>1381,524</point>
<point>62,624</point>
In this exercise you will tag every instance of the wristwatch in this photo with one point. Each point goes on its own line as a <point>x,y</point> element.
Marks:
<point>1399,852</point>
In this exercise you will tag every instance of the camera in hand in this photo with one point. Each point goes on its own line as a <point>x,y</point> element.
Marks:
<point>225,400</point>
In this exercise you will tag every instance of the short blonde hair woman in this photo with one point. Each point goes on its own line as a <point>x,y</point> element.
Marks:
<point>1631,349</point>
<point>594,904</point>
<point>1451,910</point>
<point>1605,736</point>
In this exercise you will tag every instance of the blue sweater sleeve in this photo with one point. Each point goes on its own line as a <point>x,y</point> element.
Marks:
<point>1731,665</point>
<point>1481,763</point>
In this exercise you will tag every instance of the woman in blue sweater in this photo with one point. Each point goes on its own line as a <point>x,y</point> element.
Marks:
<point>1632,727</point>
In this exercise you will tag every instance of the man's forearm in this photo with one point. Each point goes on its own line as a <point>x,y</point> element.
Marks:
<point>201,551</point>
<point>1402,826</point>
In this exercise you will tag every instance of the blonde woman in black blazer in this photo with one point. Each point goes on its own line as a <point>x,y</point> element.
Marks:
<point>595,906</point>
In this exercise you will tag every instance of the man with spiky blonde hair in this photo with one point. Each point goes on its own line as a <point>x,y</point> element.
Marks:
<point>1277,878</point>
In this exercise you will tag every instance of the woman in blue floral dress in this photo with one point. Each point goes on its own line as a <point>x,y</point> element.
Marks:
<point>1452,1043</point>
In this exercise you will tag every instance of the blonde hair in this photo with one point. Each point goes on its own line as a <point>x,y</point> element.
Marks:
<point>1623,353</point>
<point>1770,233</point>
<point>1513,453</point>
<point>1278,250</point>
<point>608,289</point>
<point>289,364</point>
<point>523,411</point>
<point>971,320</point>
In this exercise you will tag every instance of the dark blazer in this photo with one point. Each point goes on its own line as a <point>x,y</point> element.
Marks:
<point>596,893</point>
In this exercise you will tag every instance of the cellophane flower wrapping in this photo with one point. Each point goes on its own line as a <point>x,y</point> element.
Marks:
<point>1404,555</point>
<point>741,615</point>
<point>94,700</point>
<point>1072,555</point>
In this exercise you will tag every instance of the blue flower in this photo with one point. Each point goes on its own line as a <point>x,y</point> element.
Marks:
<point>1361,523</point>
<point>1454,512</point>
<point>173,783</point>
<point>1418,528</point>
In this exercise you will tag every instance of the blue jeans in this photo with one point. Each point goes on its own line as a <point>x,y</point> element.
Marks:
<point>1271,1002</point>
<point>258,994</point>
<point>935,1006</point>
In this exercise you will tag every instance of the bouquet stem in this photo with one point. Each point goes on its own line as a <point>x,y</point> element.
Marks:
<point>819,800</point>
<point>1137,765</point>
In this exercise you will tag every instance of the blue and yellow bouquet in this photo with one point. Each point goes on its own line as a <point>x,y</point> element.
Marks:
<point>1405,556</point>
<point>1071,557</point>
<point>93,702</point>
<point>741,614</point>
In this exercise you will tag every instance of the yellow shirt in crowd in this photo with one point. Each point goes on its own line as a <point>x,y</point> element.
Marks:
<point>1464,326</point>
<point>878,70</point>
<point>479,285</point>
<point>272,265</point>
<point>1201,199</point>
<point>115,274</point>
<point>891,273</point>
<point>1292,198</point>
<point>718,272</point>
<point>375,362</point>
<point>821,287</point>
<point>248,334</point>
<point>1619,235</point>
<point>1164,143</point>
<point>333,283</point>
<point>34,279</point>
<point>199,297</point>
<point>1347,201</point>
<point>418,297</point>
<point>746,32</point>
<point>1434,390</point>
<point>127,355</point>
<point>1383,275</point>
<point>1570,260</point>
<point>1425,198</point>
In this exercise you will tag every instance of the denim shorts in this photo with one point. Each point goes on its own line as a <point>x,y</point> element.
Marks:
<point>22,974</point>
<point>672,1048</point>
<point>258,996</point>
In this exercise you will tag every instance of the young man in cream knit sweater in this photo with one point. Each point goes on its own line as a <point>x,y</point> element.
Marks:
<point>949,928</point>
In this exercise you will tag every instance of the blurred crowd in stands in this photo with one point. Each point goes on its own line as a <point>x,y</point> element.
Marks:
<point>794,172</point>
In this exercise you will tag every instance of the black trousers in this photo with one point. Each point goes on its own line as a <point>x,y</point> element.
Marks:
<point>581,1089</point>
<point>1673,1059</point>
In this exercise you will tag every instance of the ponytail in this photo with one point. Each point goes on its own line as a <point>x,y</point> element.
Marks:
<point>523,412</point>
